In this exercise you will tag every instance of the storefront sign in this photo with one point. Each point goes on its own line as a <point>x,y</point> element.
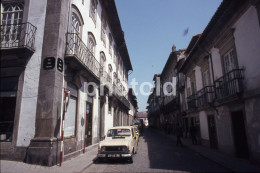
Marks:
<point>48,63</point>
<point>60,65</point>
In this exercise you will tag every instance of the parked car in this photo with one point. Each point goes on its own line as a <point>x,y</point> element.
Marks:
<point>120,142</point>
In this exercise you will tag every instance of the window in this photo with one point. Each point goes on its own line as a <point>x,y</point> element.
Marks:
<point>91,53</point>
<point>103,29</point>
<point>103,61</point>
<point>12,17</point>
<point>93,10</point>
<point>75,24</point>
<point>193,88</point>
<point>12,13</point>
<point>229,61</point>
<point>70,120</point>
<point>206,79</point>
<point>110,70</point>
<point>110,44</point>
<point>91,43</point>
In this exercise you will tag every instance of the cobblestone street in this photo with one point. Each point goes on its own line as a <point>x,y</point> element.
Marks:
<point>158,154</point>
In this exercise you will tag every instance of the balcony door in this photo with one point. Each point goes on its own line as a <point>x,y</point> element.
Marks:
<point>229,61</point>
<point>11,24</point>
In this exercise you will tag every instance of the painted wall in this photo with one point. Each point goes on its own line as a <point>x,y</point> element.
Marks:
<point>198,78</point>
<point>216,61</point>
<point>26,128</point>
<point>224,130</point>
<point>204,125</point>
<point>247,41</point>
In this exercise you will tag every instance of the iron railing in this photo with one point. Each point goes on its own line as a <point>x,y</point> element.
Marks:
<point>230,84</point>
<point>205,96</point>
<point>75,47</point>
<point>192,102</point>
<point>18,35</point>
<point>119,95</point>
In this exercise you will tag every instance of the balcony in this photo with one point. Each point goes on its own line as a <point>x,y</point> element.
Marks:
<point>17,43</point>
<point>118,94</point>
<point>192,102</point>
<point>205,96</point>
<point>230,84</point>
<point>78,56</point>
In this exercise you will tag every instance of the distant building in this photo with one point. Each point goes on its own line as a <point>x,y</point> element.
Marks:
<point>143,116</point>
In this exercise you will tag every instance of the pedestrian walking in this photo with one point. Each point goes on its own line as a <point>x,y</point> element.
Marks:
<point>193,135</point>
<point>178,131</point>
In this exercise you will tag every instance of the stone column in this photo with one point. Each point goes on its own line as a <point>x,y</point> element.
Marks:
<point>44,147</point>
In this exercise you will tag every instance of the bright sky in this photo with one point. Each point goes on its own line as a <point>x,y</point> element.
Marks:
<point>151,27</point>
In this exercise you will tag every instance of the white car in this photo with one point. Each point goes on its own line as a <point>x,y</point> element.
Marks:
<point>120,142</point>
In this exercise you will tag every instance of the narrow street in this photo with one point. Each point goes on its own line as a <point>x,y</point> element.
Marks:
<point>158,154</point>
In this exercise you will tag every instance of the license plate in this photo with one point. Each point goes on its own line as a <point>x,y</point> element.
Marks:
<point>113,155</point>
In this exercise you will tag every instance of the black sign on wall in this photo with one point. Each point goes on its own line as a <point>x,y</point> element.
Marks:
<point>48,63</point>
<point>60,65</point>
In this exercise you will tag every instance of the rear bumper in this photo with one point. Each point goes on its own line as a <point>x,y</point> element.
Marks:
<point>114,155</point>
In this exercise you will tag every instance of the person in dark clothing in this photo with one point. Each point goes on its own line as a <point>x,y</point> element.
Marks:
<point>178,131</point>
<point>193,135</point>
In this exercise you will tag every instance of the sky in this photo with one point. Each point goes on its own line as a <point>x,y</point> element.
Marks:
<point>152,27</point>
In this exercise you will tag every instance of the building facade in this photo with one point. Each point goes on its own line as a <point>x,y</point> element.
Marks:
<point>51,47</point>
<point>218,81</point>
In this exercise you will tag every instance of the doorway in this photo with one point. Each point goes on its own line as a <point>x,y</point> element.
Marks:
<point>212,132</point>
<point>239,133</point>
<point>88,130</point>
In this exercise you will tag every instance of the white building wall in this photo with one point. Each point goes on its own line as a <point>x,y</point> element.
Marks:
<point>247,41</point>
<point>204,125</point>
<point>224,130</point>
<point>26,128</point>
<point>216,61</point>
<point>95,113</point>
<point>198,78</point>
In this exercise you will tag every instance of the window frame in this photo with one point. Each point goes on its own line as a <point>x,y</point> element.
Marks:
<point>93,14</point>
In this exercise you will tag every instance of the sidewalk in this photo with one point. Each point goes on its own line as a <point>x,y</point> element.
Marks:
<point>76,164</point>
<point>232,163</point>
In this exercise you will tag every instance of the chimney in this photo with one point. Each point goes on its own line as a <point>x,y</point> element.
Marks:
<point>173,48</point>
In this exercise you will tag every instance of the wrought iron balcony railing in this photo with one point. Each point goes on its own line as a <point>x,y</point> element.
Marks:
<point>205,96</point>
<point>119,95</point>
<point>75,47</point>
<point>192,102</point>
<point>18,36</point>
<point>230,84</point>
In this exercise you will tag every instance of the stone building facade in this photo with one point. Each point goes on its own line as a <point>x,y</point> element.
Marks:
<point>218,80</point>
<point>53,46</point>
<point>222,80</point>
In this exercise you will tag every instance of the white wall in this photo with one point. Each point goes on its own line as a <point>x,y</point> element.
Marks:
<point>216,61</point>
<point>198,78</point>
<point>26,128</point>
<point>108,117</point>
<point>204,125</point>
<point>247,40</point>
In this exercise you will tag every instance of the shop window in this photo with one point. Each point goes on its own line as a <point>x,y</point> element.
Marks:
<point>70,117</point>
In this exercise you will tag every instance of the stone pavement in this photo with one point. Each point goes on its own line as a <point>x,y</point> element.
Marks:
<point>227,161</point>
<point>76,164</point>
